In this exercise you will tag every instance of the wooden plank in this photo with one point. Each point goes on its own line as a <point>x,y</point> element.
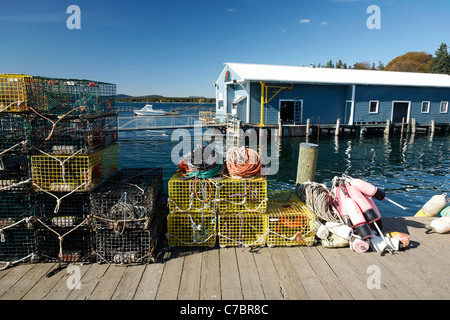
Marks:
<point>67,282</point>
<point>229,275</point>
<point>108,283</point>
<point>310,281</point>
<point>91,277</point>
<point>190,276</point>
<point>151,277</point>
<point>128,283</point>
<point>210,288</point>
<point>28,281</point>
<point>248,273</point>
<point>268,275</point>
<point>331,282</point>
<point>170,280</point>
<point>289,281</point>
<point>44,285</point>
<point>12,275</point>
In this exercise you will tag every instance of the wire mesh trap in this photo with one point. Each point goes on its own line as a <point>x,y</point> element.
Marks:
<point>125,247</point>
<point>192,195</point>
<point>244,229</point>
<point>67,136</point>
<point>67,173</point>
<point>62,209</point>
<point>242,195</point>
<point>13,95</point>
<point>14,171</point>
<point>53,96</point>
<point>127,199</point>
<point>14,206</point>
<point>191,229</point>
<point>17,242</point>
<point>15,133</point>
<point>60,244</point>
<point>290,221</point>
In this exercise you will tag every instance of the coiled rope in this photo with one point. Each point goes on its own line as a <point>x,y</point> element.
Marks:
<point>243,162</point>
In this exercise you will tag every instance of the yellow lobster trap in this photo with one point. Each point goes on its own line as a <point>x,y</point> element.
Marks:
<point>245,229</point>
<point>13,93</point>
<point>290,221</point>
<point>69,173</point>
<point>242,195</point>
<point>191,229</point>
<point>192,195</point>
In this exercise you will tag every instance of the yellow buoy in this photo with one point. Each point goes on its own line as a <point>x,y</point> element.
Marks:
<point>433,206</point>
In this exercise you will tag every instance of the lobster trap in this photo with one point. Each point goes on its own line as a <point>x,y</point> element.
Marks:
<point>245,229</point>
<point>191,229</point>
<point>127,199</point>
<point>73,134</point>
<point>60,244</point>
<point>13,94</point>
<point>192,194</point>
<point>242,195</point>
<point>17,242</point>
<point>15,206</point>
<point>290,221</point>
<point>14,133</point>
<point>127,246</point>
<point>70,173</point>
<point>61,209</point>
<point>52,96</point>
<point>14,171</point>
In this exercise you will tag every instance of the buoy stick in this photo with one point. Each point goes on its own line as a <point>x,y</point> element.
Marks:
<point>395,203</point>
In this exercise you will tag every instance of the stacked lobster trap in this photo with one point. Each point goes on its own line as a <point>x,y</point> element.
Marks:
<point>234,211</point>
<point>127,212</point>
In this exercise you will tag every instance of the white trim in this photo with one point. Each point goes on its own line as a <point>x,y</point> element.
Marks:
<point>446,107</point>
<point>376,110</point>
<point>352,109</point>
<point>428,109</point>
<point>401,101</point>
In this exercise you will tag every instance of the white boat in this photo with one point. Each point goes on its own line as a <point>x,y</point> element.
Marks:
<point>147,110</point>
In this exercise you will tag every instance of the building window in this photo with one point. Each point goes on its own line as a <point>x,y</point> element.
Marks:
<point>425,107</point>
<point>220,104</point>
<point>444,107</point>
<point>373,106</point>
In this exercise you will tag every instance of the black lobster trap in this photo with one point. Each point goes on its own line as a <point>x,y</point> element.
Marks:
<point>128,199</point>
<point>15,206</point>
<point>15,133</point>
<point>14,171</point>
<point>17,241</point>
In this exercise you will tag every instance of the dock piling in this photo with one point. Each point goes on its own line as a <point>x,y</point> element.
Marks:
<point>338,123</point>
<point>307,162</point>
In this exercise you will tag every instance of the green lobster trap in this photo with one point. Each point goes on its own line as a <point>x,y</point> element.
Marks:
<point>53,96</point>
<point>70,173</point>
<point>15,206</point>
<point>13,94</point>
<point>15,171</point>
<point>290,221</point>
<point>17,243</point>
<point>15,133</point>
<point>73,134</point>
<point>191,229</point>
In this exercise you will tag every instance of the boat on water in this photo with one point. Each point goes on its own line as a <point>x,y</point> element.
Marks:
<point>148,110</point>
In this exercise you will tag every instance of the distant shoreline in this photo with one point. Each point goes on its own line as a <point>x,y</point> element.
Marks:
<point>166,100</point>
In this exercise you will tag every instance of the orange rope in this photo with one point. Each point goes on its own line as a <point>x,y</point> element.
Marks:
<point>243,162</point>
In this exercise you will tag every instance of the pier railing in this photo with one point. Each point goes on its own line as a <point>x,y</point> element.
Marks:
<point>137,123</point>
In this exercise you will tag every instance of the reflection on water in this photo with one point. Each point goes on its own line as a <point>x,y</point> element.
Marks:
<point>411,169</point>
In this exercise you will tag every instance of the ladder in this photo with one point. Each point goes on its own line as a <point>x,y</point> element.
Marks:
<point>297,111</point>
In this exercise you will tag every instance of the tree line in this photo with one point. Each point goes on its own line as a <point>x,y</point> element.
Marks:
<point>408,62</point>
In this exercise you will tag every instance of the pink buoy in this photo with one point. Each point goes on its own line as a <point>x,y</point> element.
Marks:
<point>342,209</point>
<point>357,218</point>
<point>362,201</point>
<point>368,189</point>
<point>375,208</point>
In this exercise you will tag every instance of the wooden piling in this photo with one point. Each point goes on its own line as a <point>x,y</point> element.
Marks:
<point>413,125</point>
<point>433,126</point>
<point>308,124</point>
<point>307,162</point>
<point>388,127</point>
<point>338,123</point>
<point>403,124</point>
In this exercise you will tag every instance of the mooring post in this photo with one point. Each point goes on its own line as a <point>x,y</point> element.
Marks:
<point>413,125</point>
<point>338,123</point>
<point>433,125</point>
<point>388,127</point>
<point>307,162</point>
<point>403,123</point>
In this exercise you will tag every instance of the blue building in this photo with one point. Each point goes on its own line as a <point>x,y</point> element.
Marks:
<point>264,94</point>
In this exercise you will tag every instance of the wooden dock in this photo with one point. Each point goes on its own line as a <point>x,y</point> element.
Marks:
<point>421,272</point>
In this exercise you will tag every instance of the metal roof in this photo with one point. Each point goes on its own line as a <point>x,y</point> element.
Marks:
<point>295,74</point>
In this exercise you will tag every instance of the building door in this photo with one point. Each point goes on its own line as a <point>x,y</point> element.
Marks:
<point>291,110</point>
<point>400,110</point>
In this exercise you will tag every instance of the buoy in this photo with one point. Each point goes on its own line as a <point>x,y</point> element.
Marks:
<point>342,209</point>
<point>357,218</point>
<point>339,229</point>
<point>445,212</point>
<point>322,232</point>
<point>433,206</point>
<point>402,237</point>
<point>440,225</point>
<point>359,245</point>
<point>368,189</point>
<point>369,213</point>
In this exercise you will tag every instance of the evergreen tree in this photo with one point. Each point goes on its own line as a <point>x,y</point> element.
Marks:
<point>441,62</point>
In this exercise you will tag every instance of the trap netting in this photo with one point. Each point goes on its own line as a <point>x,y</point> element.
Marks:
<point>72,134</point>
<point>14,133</point>
<point>70,173</point>
<point>13,94</point>
<point>244,229</point>
<point>14,171</point>
<point>53,96</point>
<point>127,199</point>
<point>290,221</point>
<point>191,229</point>
<point>14,207</point>
<point>17,242</point>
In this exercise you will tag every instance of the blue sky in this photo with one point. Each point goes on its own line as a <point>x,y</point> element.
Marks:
<point>177,48</point>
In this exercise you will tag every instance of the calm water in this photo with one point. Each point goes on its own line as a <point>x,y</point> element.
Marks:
<point>411,169</point>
